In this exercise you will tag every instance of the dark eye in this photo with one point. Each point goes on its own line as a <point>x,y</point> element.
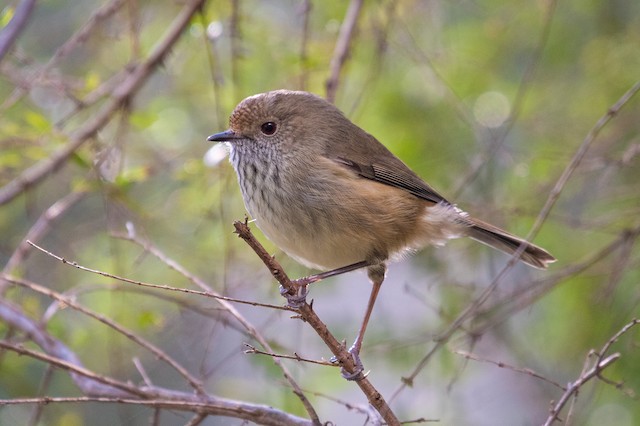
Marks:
<point>269,128</point>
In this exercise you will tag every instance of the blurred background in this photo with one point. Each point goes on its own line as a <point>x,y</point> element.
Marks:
<point>488,101</point>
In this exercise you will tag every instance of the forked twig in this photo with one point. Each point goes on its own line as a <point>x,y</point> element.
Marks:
<point>602,362</point>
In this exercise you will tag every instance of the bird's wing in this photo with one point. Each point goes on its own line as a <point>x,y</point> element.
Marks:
<point>400,176</point>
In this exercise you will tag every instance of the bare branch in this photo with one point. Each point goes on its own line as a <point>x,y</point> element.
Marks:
<point>224,302</point>
<point>309,316</point>
<point>260,414</point>
<point>157,352</point>
<point>76,370</point>
<point>518,101</point>
<point>578,156</point>
<point>209,293</point>
<point>41,227</point>
<point>120,96</point>
<point>475,305</point>
<point>341,52</point>
<point>600,364</point>
<point>105,389</point>
<point>527,371</point>
<point>252,350</point>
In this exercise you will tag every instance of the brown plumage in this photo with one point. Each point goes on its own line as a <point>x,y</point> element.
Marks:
<point>330,195</point>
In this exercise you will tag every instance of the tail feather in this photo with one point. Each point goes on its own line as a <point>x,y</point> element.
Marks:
<point>501,240</point>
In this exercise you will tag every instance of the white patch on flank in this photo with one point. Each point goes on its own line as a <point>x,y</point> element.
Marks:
<point>444,221</point>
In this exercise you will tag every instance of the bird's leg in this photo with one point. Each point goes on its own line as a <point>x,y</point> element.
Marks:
<point>376,274</point>
<point>297,300</point>
<point>332,273</point>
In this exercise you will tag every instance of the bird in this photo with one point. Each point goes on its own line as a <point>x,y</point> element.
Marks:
<point>334,198</point>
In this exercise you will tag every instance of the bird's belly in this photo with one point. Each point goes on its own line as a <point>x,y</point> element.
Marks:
<point>308,237</point>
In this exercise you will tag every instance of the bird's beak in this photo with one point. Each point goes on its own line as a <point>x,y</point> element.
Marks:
<point>226,136</point>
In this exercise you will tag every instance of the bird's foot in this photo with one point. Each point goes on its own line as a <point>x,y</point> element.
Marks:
<point>295,301</point>
<point>358,373</point>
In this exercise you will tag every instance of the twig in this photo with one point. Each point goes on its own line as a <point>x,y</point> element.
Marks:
<point>196,419</point>
<point>527,371</point>
<point>101,14</point>
<point>224,302</point>
<point>41,227</point>
<point>518,101</point>
<point>252,350</point>
<point>157,352</point>
<point>600,364</point>
<point>480,160</point>
<point>473,307</point>
<point>308,315</point>
<point>243,231</point>
<point>532,292</point>
<point>209,293</point>
<point>579,155</point>
<point>214,68</point>
<point>341,52</point>
<point>142,371</point>
<point>382,45</point>
<point>99,388</point>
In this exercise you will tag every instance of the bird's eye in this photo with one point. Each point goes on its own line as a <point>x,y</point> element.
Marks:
<point>269,128</point>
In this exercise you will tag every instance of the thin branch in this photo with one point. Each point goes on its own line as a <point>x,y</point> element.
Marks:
<point>341,52</point>
<point>46,381</point>
<point>518,101</point>
<point>100,388</point>
<point>382,46</point>
<point>535,290</point>
<point>260,414</point>
<point>600,364</point>
<point>119,388</point>
<point>527,371</point>
<point>252,350</point>
<point>224,302</point>
<point>157,352</point>
<point>308,315</point>
<point>208,293</point>
<point>474,306</point>
<point>41,227</point>
<point>120,96</point>
<point>101,14</point>
<point>196,419</point>
<point>211,42</point>
<point>579,155</point>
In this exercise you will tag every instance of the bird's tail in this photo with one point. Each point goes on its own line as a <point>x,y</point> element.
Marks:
<point>503,241</point>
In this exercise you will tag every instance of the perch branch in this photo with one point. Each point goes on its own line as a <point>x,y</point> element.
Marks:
<point>308,315</point>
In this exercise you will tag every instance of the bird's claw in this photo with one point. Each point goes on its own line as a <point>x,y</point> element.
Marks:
<point>295,301</point>
<point>358,373</point>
